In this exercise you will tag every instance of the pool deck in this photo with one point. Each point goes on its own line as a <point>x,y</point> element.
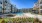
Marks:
<point>34,16</point>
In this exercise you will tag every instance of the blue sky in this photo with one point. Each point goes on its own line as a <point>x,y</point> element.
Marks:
<point>23,3</point>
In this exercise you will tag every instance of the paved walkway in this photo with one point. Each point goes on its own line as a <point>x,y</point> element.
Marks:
<point>34,16</point>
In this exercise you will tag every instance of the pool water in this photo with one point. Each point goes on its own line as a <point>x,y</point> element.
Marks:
<point>19,14</point>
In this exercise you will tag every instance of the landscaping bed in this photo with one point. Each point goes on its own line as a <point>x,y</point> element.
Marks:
<point>18,20</point>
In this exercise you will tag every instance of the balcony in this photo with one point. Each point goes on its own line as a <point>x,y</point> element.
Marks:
<point>41,11</point>
<point>41,2</point>
<point>5,1</point>
<point>40,7</point>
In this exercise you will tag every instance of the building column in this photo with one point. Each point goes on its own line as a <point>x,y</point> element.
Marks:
<point>3,5</point>
<point>11,8</point>
<point>39,6</point>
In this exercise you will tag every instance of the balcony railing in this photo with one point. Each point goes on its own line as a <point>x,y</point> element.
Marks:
<point>41,7</point>
<point>40,2</point>
<point>41,11</point>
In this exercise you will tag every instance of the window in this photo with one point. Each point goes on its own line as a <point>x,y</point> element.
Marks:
<point>41,7</point>
<point>0,2</point>
<point>0,8</point>
<point>6,1</point>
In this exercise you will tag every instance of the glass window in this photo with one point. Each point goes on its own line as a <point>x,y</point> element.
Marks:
<point>6,1</point>
<point>0,9</point>
<point>0,6</point>
<point>0,2</point>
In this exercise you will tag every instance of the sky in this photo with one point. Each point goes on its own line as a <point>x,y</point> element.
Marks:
<point>23,3</point>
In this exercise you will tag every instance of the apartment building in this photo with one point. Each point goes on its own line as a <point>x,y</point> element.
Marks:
<point>38,6</point>
<point>6,6</point>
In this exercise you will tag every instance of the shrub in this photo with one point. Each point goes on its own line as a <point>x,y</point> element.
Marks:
<point>10,15</point>
<point>3,21</point>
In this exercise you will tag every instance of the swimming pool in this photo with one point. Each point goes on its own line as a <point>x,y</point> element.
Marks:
<point>19,14</point>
